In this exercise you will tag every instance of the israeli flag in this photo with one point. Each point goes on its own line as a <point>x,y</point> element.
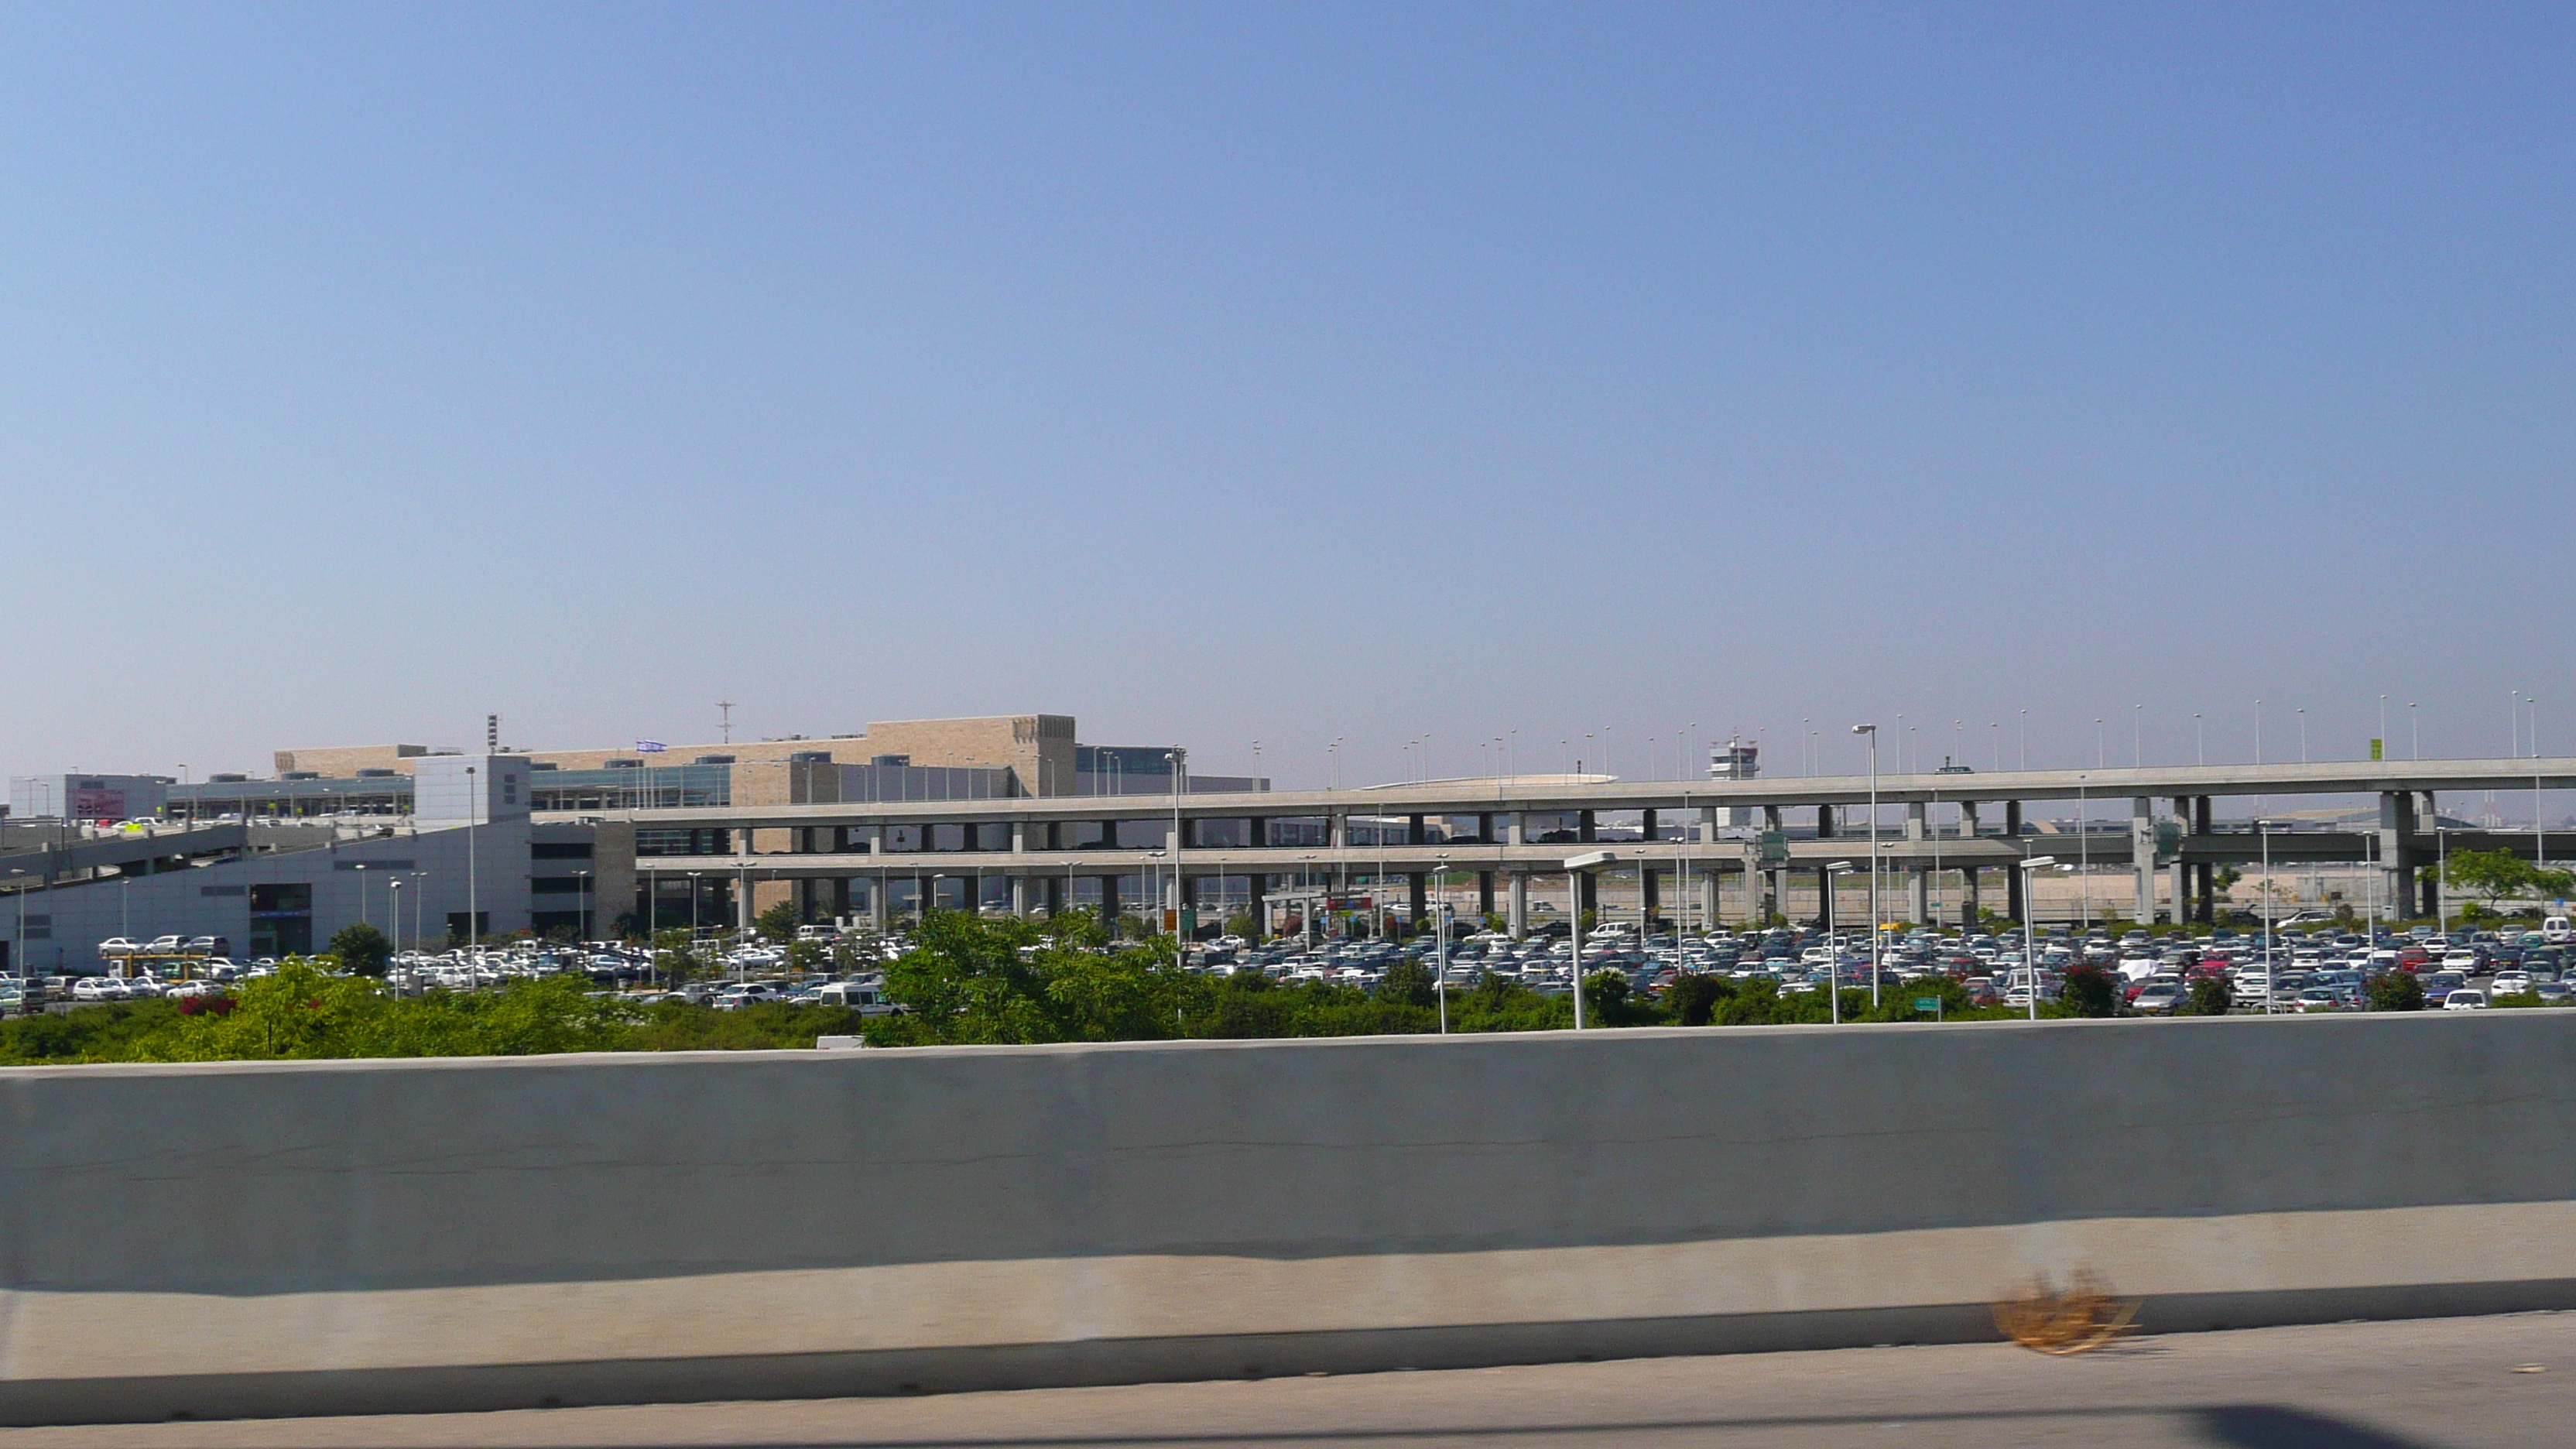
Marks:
<point>650,747</point>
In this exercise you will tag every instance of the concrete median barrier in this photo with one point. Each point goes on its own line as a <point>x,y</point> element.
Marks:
<point>377,1236</point>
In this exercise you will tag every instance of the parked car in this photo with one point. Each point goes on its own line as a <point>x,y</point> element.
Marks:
<point>2160,998</point>
<point>2465,999</point>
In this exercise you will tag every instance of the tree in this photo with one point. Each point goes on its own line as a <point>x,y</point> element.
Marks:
<point>807,956</point>
<point>675,956</point>
<point>2208,998</point>
<point>1693,996</point>
<point>778,923</point>
<point>1408,980</point>
<point>2496,874</point>
<point>1611,1000</point>
<point>2395,991</point>
<point>362,949</point>
<point>2092,991</point>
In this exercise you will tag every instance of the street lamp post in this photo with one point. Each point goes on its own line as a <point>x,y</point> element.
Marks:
<point>1871,730</point>
<point>583,900</point>
<point>2029,937</point>
<point>361,868</point>
<point>2263,831</point>
<point>1833,957</point>
<point>1440,936</point>
<point>473,816</point>
<point>1576,867</point>
<point>2441,878</point>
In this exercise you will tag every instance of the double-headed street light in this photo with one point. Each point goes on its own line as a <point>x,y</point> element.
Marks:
<point>1440,935</point>
<point>2030,936</point>
<point>1871,730</point>
<point>1834,872</point>
<point>1576,868</point>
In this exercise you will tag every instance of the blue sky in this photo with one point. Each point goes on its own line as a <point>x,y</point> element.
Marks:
<point>1291,373</point>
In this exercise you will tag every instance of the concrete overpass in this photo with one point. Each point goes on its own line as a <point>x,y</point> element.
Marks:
<point>1509,830</point>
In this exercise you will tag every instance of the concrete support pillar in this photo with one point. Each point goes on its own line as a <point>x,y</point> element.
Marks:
<point>2142,857</point>
<point>1589,897</point>
<point>1518,915</point>
<point>1824,822</point>
<point>1649,892</point>
<point>1484,894</point>
<point>1708,896</point>
<point>1583,829</point>
<point>1516,828</point>
<point>1648,825</point>
<point>2015,907</point>
<point>1969,900</point>
<point>2396,822</point>
<point>1825,898</point>
<point>1776,889</point>
<point>1417,897</point>
<point>2012,819</point>
<point>1341,836</point>
<point>1918,895</point>
<point>1258,885</point>
<point>877,905</point>
<point>1109,901</point>
<point>1019,892</point>
<point>1413,830</point>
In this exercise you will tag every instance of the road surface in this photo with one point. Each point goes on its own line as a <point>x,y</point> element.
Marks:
<point>2507,1380</point>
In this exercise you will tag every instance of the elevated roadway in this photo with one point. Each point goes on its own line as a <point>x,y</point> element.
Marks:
<point>1553,795</point>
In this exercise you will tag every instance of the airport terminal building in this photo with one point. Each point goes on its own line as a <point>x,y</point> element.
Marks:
<point>430,844</point>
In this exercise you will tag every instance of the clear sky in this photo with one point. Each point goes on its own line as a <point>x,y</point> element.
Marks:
<point>1221,373</point>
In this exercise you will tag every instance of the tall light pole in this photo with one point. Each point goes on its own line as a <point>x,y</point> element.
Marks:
<point>1440,936</point>
<point>1174,757</point>
<point>1576,867</point>
<point>584,877</point>
<point>2263,830</point>
<point>18,947</point>
<point>1871,731</point>
<point>2199,741</point>
<point>473,817</point>
<point>1834,873</point>
<point>2030,937</point>
<point>361,869</point>
<point>2441,878</point>
<point>2084,853</point>
<point>2414,733</point>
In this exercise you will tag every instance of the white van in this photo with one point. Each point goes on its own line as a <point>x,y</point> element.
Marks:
<point>865,997</point>
<point>2556,931</point>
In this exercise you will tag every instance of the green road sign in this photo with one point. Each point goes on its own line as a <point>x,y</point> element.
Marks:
<point>1927,1003</point>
